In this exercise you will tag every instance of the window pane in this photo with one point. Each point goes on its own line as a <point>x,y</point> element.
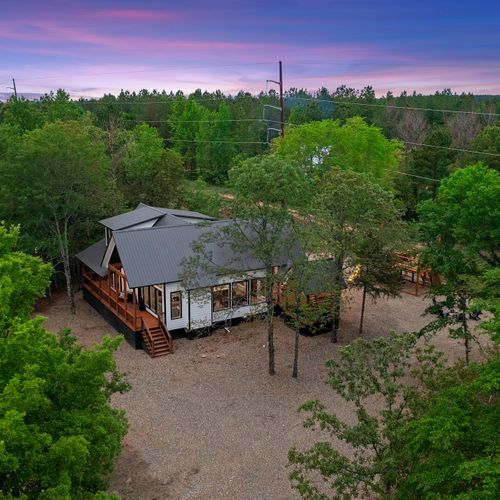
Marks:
<point>257,291</point>
<point>176,305</point>
<point>220,297</point>
<point>159,302</point>
<point>240,293</point>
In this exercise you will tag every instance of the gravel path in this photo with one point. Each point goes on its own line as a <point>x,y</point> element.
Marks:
<point>208,422</point>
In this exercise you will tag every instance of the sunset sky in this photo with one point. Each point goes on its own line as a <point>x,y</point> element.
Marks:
<point>97,46</point>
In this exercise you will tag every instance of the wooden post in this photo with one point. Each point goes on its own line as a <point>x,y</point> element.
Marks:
<point>117,290</point>
<point>134,303</point>
<point>417,283</point>
<point>125,294</point>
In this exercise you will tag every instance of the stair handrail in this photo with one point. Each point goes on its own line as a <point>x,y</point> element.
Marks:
<point>165,331</point>
<point>145,330</point>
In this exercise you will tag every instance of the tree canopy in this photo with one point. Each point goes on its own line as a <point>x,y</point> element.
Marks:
<point>59,435</point>
<point>318,146</point>
<point>23,278</point>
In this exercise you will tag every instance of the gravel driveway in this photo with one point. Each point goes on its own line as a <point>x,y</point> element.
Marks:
<point>208,422</point>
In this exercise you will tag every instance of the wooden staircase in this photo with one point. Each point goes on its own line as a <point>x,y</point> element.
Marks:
<point>157,339</point>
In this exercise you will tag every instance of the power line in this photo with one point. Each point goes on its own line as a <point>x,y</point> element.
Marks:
<point>392,106</point>
<point>217,141</point>
<point>417,176</point>
<point>202,121</point>
<point>452,149</point>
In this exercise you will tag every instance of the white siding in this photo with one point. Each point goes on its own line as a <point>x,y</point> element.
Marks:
<point>200,309</point>
<point>197,305</point>
<point>182,322</point>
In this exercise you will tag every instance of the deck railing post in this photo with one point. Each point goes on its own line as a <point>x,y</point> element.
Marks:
<point>134,303</point>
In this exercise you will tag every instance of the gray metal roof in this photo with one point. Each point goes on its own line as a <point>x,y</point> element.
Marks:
<point>145,213</point>
<point>155,255</point>
<point>180,213</point>
<point>137,216</point>
<point>92,257</point>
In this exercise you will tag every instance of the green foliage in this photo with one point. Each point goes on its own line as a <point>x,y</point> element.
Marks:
<point>462,234</point>
<point>56,184</point>
<point>488,140</point>
<point>264,189</point>
<point>59,435</point>
<point>485,292</point>
<point>56,176</point>
<point>23,278</point>
<point>214,155</point>
<point>199,197</point>
<point>319,146</point>
<point>354,220</point>
<point>453,449</point>
<point>143,151</point>
<point>151,174</point>
<point>366,371</point>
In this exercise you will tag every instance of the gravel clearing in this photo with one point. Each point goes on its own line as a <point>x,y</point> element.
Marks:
<point>208,422</point>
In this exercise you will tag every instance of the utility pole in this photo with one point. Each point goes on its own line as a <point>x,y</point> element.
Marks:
<point>280,108</point>
<point>13,87</point>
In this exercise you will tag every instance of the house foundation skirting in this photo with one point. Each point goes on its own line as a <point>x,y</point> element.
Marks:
<point>133,338</point>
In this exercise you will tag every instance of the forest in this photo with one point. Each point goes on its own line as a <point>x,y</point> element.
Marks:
<point>355,177</point>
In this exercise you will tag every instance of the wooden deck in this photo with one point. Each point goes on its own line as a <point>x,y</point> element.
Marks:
<point>123,307</point>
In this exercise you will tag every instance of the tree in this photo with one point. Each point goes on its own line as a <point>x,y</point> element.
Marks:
<point>462,234</point>
<point>151,174</point>
<point>56,184</point>
<point>23,278</point>
<point>187,116</point>
<point>261,227</point>
<point>431,162</point>
<point>305,278</point>
<point>321,145</point>
<point>377,271</point>
<point>452,449</point>
<point>214,153</point>
<point>59,434</point>
<point>349,213</point>
<point>366,371</point>
<point>488,141</point>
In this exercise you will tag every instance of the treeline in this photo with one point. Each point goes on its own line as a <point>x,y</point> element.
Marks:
<point>212,131</point>
<point>65,164</point>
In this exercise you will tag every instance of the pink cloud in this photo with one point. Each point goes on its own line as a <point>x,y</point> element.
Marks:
<point>136,14</point>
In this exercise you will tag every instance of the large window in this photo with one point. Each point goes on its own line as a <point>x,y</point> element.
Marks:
<point>176,305</point>
<point>153,298</point>
<point>257,295</point>
<point>220,298</point>
<point>240,293</point>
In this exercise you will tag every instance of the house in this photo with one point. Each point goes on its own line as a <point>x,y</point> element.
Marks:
<point>133,277</point>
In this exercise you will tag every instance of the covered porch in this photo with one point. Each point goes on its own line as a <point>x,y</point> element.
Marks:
<point>112,294</point>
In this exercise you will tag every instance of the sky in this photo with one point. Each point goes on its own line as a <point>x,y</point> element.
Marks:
<point>102,46</point>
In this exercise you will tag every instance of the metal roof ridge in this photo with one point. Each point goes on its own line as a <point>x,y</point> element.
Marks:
<point>157,228</point>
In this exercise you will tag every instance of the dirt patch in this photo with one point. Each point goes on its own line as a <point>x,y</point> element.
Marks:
<point>208,421</point>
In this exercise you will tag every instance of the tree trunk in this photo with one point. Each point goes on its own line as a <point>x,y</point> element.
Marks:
<point>463,310</point>
<point>295,371</point>
<point>270,319</point>
<point>49,293</point>
<point>362,311</point>
<point>64,251</point>
<point>337,299</point>
<point>69,283</point>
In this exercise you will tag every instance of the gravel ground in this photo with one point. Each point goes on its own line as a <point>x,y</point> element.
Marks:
<point>208,422</point>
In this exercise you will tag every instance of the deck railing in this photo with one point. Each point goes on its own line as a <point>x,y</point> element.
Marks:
<point>113,299</point>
